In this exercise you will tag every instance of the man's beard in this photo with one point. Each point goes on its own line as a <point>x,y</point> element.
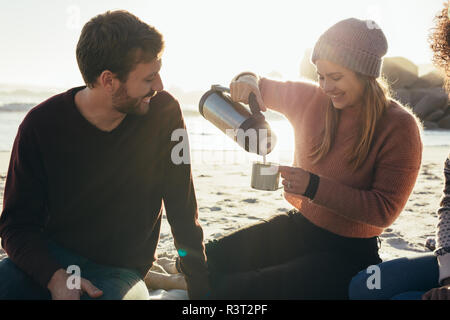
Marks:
<point>123,103</point>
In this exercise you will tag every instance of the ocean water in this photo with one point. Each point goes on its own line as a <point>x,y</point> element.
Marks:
<point>203,136</point>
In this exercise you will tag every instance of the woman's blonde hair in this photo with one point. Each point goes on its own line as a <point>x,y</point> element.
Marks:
<point>376,99</point>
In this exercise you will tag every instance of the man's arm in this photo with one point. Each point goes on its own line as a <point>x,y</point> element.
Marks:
<point>181,208</point>
<point>24,210</point>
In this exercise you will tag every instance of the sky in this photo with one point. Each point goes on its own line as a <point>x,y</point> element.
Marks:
<point>207,41</point>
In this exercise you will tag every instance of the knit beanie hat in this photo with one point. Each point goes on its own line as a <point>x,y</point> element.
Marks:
<point>358,45</point>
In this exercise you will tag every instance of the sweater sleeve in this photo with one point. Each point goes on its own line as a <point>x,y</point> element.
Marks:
<point>443,228</point>
<point>181,208</point>
<point>24,210</point>
<point>290,98</point>
<point>395,173</point>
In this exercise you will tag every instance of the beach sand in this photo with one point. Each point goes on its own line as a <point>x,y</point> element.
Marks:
<point>226,202</point>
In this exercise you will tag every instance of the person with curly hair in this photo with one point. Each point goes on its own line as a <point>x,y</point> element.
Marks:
<point>426,277</point>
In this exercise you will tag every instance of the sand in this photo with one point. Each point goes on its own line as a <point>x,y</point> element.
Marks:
<point>226,202</point>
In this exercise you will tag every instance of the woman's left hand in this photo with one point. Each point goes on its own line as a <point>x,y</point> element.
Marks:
<point>295,180</point>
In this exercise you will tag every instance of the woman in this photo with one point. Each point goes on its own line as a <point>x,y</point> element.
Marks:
<point>426,277</point>
<point>357,157</point>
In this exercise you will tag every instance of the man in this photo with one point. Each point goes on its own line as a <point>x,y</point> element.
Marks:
<point>88,173</point>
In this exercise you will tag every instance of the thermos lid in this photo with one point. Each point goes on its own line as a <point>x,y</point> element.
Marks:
<point>215,88</point>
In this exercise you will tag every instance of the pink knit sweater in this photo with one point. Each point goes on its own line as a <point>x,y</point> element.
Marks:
<point>359,204</point>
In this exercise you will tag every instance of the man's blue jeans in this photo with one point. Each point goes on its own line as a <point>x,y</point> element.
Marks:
<point>116,283</point>
<point>400,279</point>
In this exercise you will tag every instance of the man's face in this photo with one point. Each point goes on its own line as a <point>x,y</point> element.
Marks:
<point>142,84</point>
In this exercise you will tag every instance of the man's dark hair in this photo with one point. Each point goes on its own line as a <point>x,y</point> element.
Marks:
<point>116,41</point>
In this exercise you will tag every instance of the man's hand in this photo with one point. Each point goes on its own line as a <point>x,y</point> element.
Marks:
<point>60,291</point>
<point>440,293</point>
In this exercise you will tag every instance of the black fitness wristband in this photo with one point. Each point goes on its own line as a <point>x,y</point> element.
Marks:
<point>313,185</point>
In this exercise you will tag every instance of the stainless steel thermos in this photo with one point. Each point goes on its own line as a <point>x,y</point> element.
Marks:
<point>248,128</point>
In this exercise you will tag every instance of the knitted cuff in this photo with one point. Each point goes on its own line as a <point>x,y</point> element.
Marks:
<point>245,74</point>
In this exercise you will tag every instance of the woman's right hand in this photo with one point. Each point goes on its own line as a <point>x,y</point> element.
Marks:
<point>241,88</point>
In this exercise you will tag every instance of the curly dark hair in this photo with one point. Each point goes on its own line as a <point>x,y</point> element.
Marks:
<point>440,43</point>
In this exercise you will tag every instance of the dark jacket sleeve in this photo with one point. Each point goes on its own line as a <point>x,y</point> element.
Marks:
<point>443,227</point>
<point>181,206</point>
<point>24,211</point>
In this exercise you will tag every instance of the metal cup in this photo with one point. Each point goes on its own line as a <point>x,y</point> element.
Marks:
<point>265,176</point>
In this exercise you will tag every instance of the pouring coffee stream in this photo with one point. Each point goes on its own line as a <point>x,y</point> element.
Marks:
<point>248,128</point>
